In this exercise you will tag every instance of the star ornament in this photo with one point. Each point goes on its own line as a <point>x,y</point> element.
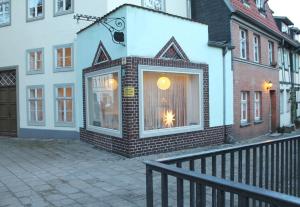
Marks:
<point>168,119</point>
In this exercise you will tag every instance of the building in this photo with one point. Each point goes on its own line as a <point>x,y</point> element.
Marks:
<point>159,90</point>
<point>248,25</point>
<point>288,56</point>
<point>39,93</point>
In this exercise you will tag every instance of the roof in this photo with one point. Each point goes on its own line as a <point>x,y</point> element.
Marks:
<point>140,7</point>
<point>285,20</point>
<point>253,12</point>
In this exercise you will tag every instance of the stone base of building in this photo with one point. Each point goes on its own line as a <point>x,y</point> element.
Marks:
<point>47,134</point>
<point>153,145</point>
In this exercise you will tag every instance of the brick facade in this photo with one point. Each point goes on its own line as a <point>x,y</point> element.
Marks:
<point>131,144</point>
<point>251,77</point>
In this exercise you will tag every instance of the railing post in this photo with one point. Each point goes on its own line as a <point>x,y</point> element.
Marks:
<point>192,185</point>
<point>164,190</point>
<point>179,188</point>
<point>149,186</point>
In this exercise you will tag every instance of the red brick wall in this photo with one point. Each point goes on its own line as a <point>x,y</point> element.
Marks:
<point>131,144</point>
<point>249,76</point>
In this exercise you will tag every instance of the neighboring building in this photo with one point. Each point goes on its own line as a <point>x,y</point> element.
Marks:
<point>288,60</point>
<point>161,90</point>
<point>248,25</point>
<point>39,96</point>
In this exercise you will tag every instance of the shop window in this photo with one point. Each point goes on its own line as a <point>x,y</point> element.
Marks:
<point>104,102</point>
<point>171,101</point>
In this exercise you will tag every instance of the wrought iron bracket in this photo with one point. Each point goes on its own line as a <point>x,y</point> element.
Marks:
<point>115,26</point>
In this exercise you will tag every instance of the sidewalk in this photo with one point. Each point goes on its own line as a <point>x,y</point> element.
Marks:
<point>72,173</point>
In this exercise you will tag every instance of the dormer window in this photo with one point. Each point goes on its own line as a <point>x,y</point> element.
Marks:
<point>260,4</point>
<point>158,5</point>
<point>284,28</point>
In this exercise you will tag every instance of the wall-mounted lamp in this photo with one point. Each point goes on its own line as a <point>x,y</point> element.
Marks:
<point>269,85</point>
<point>163,83</point>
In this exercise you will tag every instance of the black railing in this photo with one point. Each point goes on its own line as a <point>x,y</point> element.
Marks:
<point>262,174</point>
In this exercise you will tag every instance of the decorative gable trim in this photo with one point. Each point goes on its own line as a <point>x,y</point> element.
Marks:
<point>173,51</point>
<point>101,55</point>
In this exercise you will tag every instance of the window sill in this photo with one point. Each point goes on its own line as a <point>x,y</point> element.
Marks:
<point>5,24</point>
<point>28,20</point>
<point>109,132</point>
<point>258,122</point>
<point>59,70</point>
<point>35,72</point>
<point>243,125</point>
<point>61,13</point>
<point>65,124</point>
<point>37,124</point>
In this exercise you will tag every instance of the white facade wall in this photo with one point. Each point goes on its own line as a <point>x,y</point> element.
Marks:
<point>46,33</point>
<point>147,33</point>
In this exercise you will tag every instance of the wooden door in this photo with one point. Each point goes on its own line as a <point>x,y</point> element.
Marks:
<point>8,109</point>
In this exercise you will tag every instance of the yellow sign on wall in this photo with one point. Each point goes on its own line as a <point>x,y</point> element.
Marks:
<point>129,91</point>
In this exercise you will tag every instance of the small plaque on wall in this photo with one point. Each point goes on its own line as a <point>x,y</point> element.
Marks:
<point>129,91</point>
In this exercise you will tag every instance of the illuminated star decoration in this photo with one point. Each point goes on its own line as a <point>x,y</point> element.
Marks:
<point>168,119</point>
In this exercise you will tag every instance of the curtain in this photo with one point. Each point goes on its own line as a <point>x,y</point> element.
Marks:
<point>181,100</point>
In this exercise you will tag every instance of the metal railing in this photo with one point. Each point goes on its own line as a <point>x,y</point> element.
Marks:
<point>261,174</point>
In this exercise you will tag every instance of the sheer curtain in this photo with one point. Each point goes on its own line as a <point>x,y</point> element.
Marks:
<point>181,100</point>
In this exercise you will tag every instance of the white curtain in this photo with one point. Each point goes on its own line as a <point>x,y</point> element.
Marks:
<point>182,99</point>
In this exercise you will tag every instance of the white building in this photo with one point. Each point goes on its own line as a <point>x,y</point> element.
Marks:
<point>38,77</point>
<point>289,78</point>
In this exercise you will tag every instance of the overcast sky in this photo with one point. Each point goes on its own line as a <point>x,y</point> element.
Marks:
<point>289,8</point>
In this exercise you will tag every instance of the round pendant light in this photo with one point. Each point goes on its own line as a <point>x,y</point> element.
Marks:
<point>163,83</point>
<point>112,84</point>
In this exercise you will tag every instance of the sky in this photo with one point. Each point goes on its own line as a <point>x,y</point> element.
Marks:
<point>289,8</point>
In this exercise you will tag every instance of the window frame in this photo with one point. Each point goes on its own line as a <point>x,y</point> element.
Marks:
<point>271,56</point>
<point>287,101</point>
<point>255,36</point>
<point>63,69</point>
<point>29,19</point>
<point>102,130</point>
<point>163,5</point>
<point>246,120</point>
<point>259,101</point>
<point>65,12</point>
<point>30,122</point>
<point>246,43</point>
<point>175,130</point>
<point>59,123</point>
<point>189,9</point>
<point>28,69</point>
<point>281,102</point>
<point>9,22</point>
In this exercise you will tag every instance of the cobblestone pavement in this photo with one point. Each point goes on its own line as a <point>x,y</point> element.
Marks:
<point>72,173</point>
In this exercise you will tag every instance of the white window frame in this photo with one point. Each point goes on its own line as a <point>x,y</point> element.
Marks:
<point>64,12</point>
<point>29,121</point>
<point>2,13</point>
<point>256,48</point>
<point>176,130</point>
<point>243,44</point>
<point>271,52</point>
<point>32,71</point>
<point>30,19</point>
<point>64,68</point>
<point>244,120</point>
<point>257,101</point>
<point>102,130</point>
<point>64,123</point>
<point>145,2</point>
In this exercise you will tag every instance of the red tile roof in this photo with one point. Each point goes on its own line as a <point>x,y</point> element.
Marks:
<point>253,12</point>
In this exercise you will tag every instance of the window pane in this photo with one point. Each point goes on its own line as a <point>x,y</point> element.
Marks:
<point>60,92</point>
<point>31,61</point>
<point>60,5</point>
<point>61,105</point>
<point>59,57</point>
<point>170,100</point>
<point>32,93</point>
<point>68,92</point>
<point>69,105</point>
<point>39,93</point>
<point>68,57</point>
<point>40,8</point>
<point>68,4</point>
<point>103,101</point>
<point>69,116</point>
